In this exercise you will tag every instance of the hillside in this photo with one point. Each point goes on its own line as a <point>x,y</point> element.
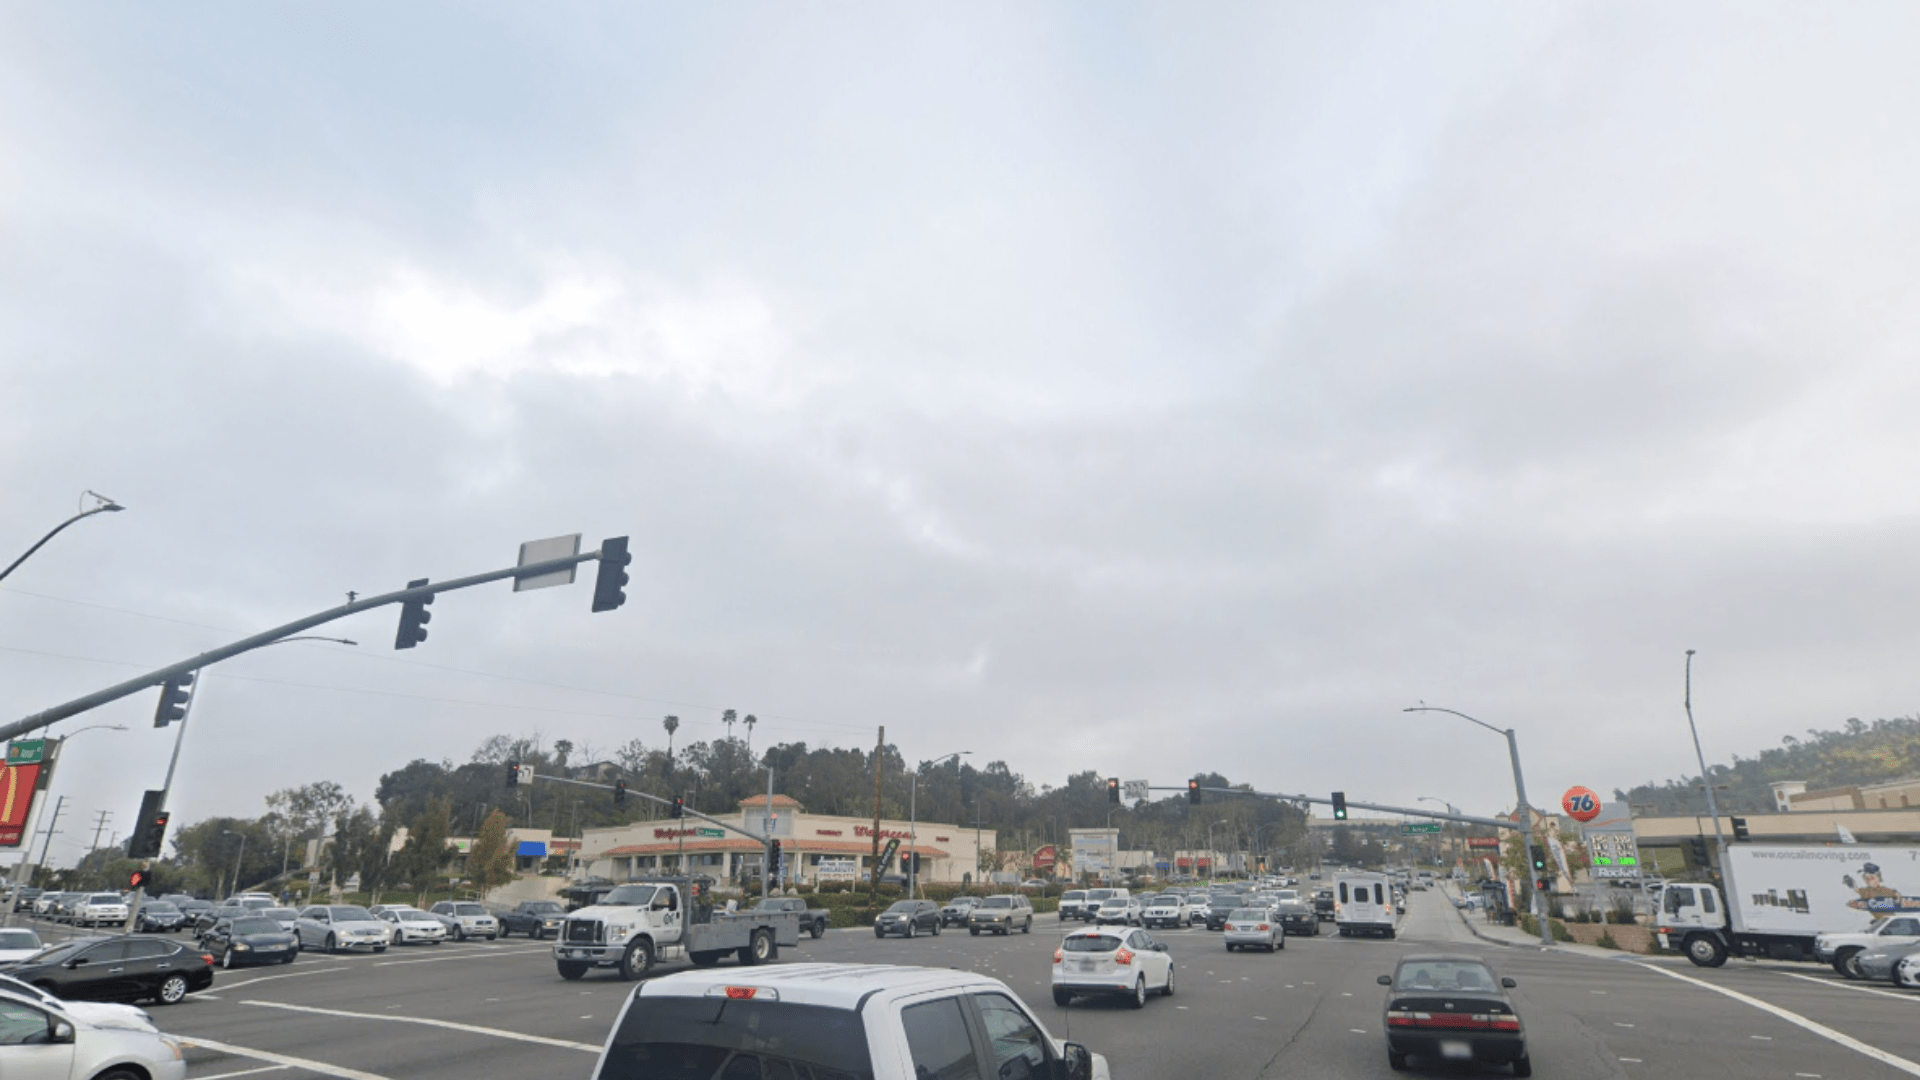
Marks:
<point>1856,753</point>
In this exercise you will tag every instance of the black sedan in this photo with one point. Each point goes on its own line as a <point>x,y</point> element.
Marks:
<point>159,916</point>
<point>1297,917</point>
<point>908,918</point>
<point>117,969</point>
<point>1453,1009</point>
<point>254,939</point>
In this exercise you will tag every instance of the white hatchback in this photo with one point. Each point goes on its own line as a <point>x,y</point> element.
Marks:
<point>40,1036</point>
<point>1111,960</point>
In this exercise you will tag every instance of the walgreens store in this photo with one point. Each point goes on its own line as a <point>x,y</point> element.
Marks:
<point>815,848</point>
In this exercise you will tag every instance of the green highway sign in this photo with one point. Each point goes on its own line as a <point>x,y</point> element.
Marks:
<point>26,751</point>
<point>1412,828</point>
<point>709,832</point>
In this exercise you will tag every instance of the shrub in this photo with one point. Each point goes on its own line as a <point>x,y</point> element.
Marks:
<point>1620,911</point>
<point>1605,940</point>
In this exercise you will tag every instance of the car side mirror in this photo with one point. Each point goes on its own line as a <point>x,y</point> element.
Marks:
<point>1385,980</point>
<point>1159,946</point>
<point>1076,1062</point>
<point>62,1032</point>
<point>1508,982</point>
<point>77,961</point>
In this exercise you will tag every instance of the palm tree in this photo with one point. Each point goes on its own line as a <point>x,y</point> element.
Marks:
<point>728,718</point>
<point>672,724</point>
<point>750,721</point>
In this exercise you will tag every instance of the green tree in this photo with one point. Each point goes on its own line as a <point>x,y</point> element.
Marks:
<point>490,862</point>
<point>425,852</point>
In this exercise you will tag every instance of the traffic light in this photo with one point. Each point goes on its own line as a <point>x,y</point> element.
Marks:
<point>175,693</point>
<point>513,774</point>
<point>610,583</point>
<point>1740,829</point>
<point>150,829</point>
<point>773,861</point>
<point>619,793</point>
<point>1339,806</point>
<point>1537,855</point>
<point>1697,848</point>
<point>136,879</point>
<point>679,806</point>
<point>414,618</point>
<point>1193,791</point>
<point>1543,883</point>
<point>1113,789</point>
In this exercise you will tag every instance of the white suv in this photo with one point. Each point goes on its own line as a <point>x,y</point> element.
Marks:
<point>101,909</point>
<point>1840,950</point>
<point>465,919</point>
<point>1169,910</point>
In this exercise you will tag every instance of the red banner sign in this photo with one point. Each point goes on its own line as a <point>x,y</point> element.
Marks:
<point>1043,859</point>
<point>17,786</point>
<point>1488,843</point>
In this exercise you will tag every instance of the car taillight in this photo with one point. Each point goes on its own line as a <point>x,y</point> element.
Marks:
<point>1400,1018</point>
<point>1263,926</point>
<point>207,958</point>
<point>1058,955</point>
<point>1124,956</point>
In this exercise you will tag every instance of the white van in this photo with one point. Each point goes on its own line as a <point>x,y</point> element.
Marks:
<point>1363,904</point>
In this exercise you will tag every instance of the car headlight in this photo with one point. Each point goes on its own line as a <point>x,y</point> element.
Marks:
<point>241,946</point>
<point>616,934</point>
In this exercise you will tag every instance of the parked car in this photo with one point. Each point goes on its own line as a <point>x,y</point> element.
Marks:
<point>18,944</point>
<point>285,916</point>
<point>1113,961</point>
<point>341,926</point>
<point>1096,897</point>
<point>1876,963</point>
<point>1072,902</point>
<point>1118,909</point>
<point>101,909</point>
<point>252,939</point>
<point>159,916</point>
<point>465,919</point>
<point>957,909</point>
<point>1254,927</point>
<point>908,918</point>
<point>838,1020</point>
<point>535,918</point>
<point>70,1039</point>
<point>412,926</point>
<point>121,968</point>
<point>206,917</point>
<point>1451,1008</point>
<point>813,920</point>
<point>1001,915</point>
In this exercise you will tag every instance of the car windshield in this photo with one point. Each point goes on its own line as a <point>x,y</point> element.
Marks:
<point>350,913</point>
<point>1074,894</point>
<point>902,907</point>
<point>1443,975</point>
<point>469,909</point>
<point>544,907</point>
<point>1248,914</point>
<point>1097,895</point>
<point>106,898</point>
<point>1114,902</point>
<point>278,913</point>
<point>19,939</point>
<point>255,926</point>
<point>1091,943</point>
<point>693,1038</point>
<point>160,907</point>
<point>996,901</point>
<point>630,896</point>
<point>1165,900</point>
<point>412,915</point>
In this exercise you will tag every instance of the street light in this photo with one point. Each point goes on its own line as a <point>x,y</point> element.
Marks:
<point>106,506</point>
<point>238,859</point>
<point>1706,781</point>
<point>1526,811</point>
<point>913,834</point>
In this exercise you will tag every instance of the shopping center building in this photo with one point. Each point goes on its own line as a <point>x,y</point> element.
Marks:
<point>814,847</point>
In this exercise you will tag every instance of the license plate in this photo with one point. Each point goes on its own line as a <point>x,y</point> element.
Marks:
<point>1456,1049</point>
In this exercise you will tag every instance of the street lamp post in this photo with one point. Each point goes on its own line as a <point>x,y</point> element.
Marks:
<point>238,859</point>
<point>106,506</point>
<point>1538,906</point>
<point>913,820</point>
<point>1706,781</point>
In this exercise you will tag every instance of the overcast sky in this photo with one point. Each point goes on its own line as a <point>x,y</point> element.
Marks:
<point>1137,388</point>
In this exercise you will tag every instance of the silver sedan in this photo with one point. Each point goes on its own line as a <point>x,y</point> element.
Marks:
<point>1254,928</point>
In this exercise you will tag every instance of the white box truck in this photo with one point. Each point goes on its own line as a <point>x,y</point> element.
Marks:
<point>1780,897</point>
<point>1363,904</point>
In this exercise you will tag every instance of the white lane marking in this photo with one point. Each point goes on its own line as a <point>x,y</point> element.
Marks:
<point>498,1033</point>
<point>1358,1031</point>
<point>1617,1023</point>
<point>289,975</point>
<point>1808,1076</point>
<point>288,1060</point>
<point>1182,1008</point>
<point>243,1072</point>
<point>1762,1038</point>
<point>1836,984</point>
<point>1345,994</point>
<point>1911,1068</point>
<point>1636,1061</point>
<point>1259,1018</point>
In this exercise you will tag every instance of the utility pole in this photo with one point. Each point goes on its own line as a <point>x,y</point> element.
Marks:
<point>51,822</point>
<point>99,827</point>
<point>1706,780</point>
<point>879,762</point>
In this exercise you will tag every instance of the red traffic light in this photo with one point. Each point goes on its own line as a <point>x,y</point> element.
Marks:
<point>136,879</point>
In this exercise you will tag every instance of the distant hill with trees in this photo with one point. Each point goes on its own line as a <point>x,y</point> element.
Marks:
<point>1855,753</point>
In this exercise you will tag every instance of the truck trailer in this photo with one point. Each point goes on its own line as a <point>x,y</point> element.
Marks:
<point>1779,897</point>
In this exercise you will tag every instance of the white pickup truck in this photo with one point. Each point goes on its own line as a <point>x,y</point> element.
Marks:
<point>874,1022</point>
<point>642,922</point>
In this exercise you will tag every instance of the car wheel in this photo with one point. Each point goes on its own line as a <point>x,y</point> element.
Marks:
<point>379,948</point>
<point>1229,946</point>
<point>637,961</point>
<point>226,958</point>
<point>1282,943</point>
<point>1167,990</point>
<point>1027,927</point>
<point>288,959</point>
<point>879,933</point>
<point>936,929</point>
<point>819,930</point>
<point>1139,993</point>
<point>459,933</point>
<point>491,937</point>
<point>1523,1067</point>
<point>333,944</point>
<point>1396,1061</point>
<point>974,930</point>
<point>1061,998</point>
<point>572,970</point>
<point>172,990</point>
<point>760,949</point>
<point>1705,950</point>
<point>912,928</point>
<point>119,1074</point>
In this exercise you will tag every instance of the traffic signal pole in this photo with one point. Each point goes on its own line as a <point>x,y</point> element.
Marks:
<point>226,652</point>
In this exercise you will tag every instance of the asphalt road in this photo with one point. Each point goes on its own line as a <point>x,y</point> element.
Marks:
<point>1312,1010</point>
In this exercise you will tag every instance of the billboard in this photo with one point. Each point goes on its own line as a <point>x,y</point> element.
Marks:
<point>18,785</point>
<point>835,868</point>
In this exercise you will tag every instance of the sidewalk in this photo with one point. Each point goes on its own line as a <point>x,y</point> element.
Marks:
<point>1479,926</point>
